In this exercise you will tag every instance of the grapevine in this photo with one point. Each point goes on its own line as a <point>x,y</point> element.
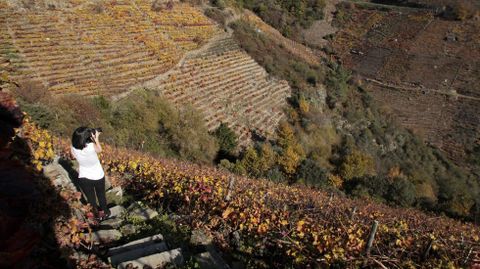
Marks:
<point>292,224</point>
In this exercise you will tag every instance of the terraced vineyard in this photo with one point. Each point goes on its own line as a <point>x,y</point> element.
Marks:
<point>227,85</point>
<point>293,47</point>
<point>87,49</point>
<point>436,59</point>
<point>92,50</point>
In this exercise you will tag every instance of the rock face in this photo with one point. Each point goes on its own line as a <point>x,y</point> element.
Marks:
<point>156,260</point>
<point>112,223</point>
<point>136,244</point>
<point>117,211</point>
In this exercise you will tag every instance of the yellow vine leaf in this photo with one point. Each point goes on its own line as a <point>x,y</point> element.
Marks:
<point>227,212</point>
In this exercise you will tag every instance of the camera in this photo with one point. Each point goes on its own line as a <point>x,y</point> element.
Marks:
<point>91,132</point>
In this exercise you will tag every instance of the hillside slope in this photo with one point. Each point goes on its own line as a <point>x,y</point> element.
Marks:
<point>227,85</point>
<point>421,64</point>
<point>114,47</point>
<point>255,222</point>
<point>101,48</point>
<point>278,226</point>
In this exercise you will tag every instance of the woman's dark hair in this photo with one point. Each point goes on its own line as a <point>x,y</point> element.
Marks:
<point>81,136</point>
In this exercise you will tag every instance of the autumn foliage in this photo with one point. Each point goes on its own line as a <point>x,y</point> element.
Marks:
<point>293,226</point>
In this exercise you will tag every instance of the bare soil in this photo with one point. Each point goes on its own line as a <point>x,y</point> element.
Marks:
<point>437,59</point>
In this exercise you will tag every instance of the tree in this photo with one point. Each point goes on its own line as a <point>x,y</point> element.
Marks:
<point>226,138</point>
<point>311,174</point>
<point>292,152</point>
<point>356,165</point>
<point>290,159</point>
<point>268,158</point>
<point>401,192</point>
<point>286,135</point>
<point>250,162</point>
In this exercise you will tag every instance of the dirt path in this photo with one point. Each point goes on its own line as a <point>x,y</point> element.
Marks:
<point>322,28</point>
<point>420,89</point>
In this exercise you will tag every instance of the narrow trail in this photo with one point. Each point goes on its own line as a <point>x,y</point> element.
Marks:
<point>420,89</point>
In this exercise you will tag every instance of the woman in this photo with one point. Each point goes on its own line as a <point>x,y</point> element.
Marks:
<point>91,178</point>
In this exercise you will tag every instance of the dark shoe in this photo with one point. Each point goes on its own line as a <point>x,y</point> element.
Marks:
<point>103,215</point>
<point>107,213</point>
<point>91,219</point>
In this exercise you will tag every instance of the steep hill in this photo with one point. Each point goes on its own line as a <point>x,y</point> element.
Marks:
<point>268,225</point>
<point>102,48</point>
<point>110,48</point>
<point>226,85</point>
<point>422,64</point>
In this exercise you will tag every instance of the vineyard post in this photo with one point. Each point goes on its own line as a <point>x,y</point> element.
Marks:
<point>468,256</point>
<point>231,183</point>
<point>371,237</point>
<point>354,211</point>
<point>427,251</point>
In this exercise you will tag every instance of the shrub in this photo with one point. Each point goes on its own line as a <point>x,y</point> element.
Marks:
<point>39,114</point>
<point>357,165</point>
<point>401,192</point>
<point>250,161</point>
<point>474,155</point>
<point>216,15</point>
<point>159,5</point>
<point>311,174</point>
<point>98,7</point>
<point>28,4</point>
<point>187,135</point>
<point>226,138</point>
<point>268,158</point>
<point>218,3</point>
<point>461,10</point>
<point>276,175</point>
<point>31,91</point>
<point>84,111</point>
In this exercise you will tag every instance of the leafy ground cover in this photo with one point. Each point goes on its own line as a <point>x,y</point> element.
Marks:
<point>283,226</point>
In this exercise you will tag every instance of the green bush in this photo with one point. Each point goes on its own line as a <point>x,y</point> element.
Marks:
<point>401,192</point>
<point>288,17</point>
<point>226,138</point>
<point>187,135</point>
<point>218,3</point>
<point>311,174</point>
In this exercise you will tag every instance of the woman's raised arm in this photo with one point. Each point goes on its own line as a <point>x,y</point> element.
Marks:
<point>96,142</point>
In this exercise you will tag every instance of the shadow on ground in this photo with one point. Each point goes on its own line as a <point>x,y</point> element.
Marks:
<point>29,203</point>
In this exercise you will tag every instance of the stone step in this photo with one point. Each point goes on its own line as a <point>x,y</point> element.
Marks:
<point>156,260</point>
<point>211,260</point>
<point>136,244</point>
<point>103,237</point>
<point>137,253</point>
<point>115,196</point>
<point>111,223</point>
<point>117,211</point>
<point>141,212</point>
